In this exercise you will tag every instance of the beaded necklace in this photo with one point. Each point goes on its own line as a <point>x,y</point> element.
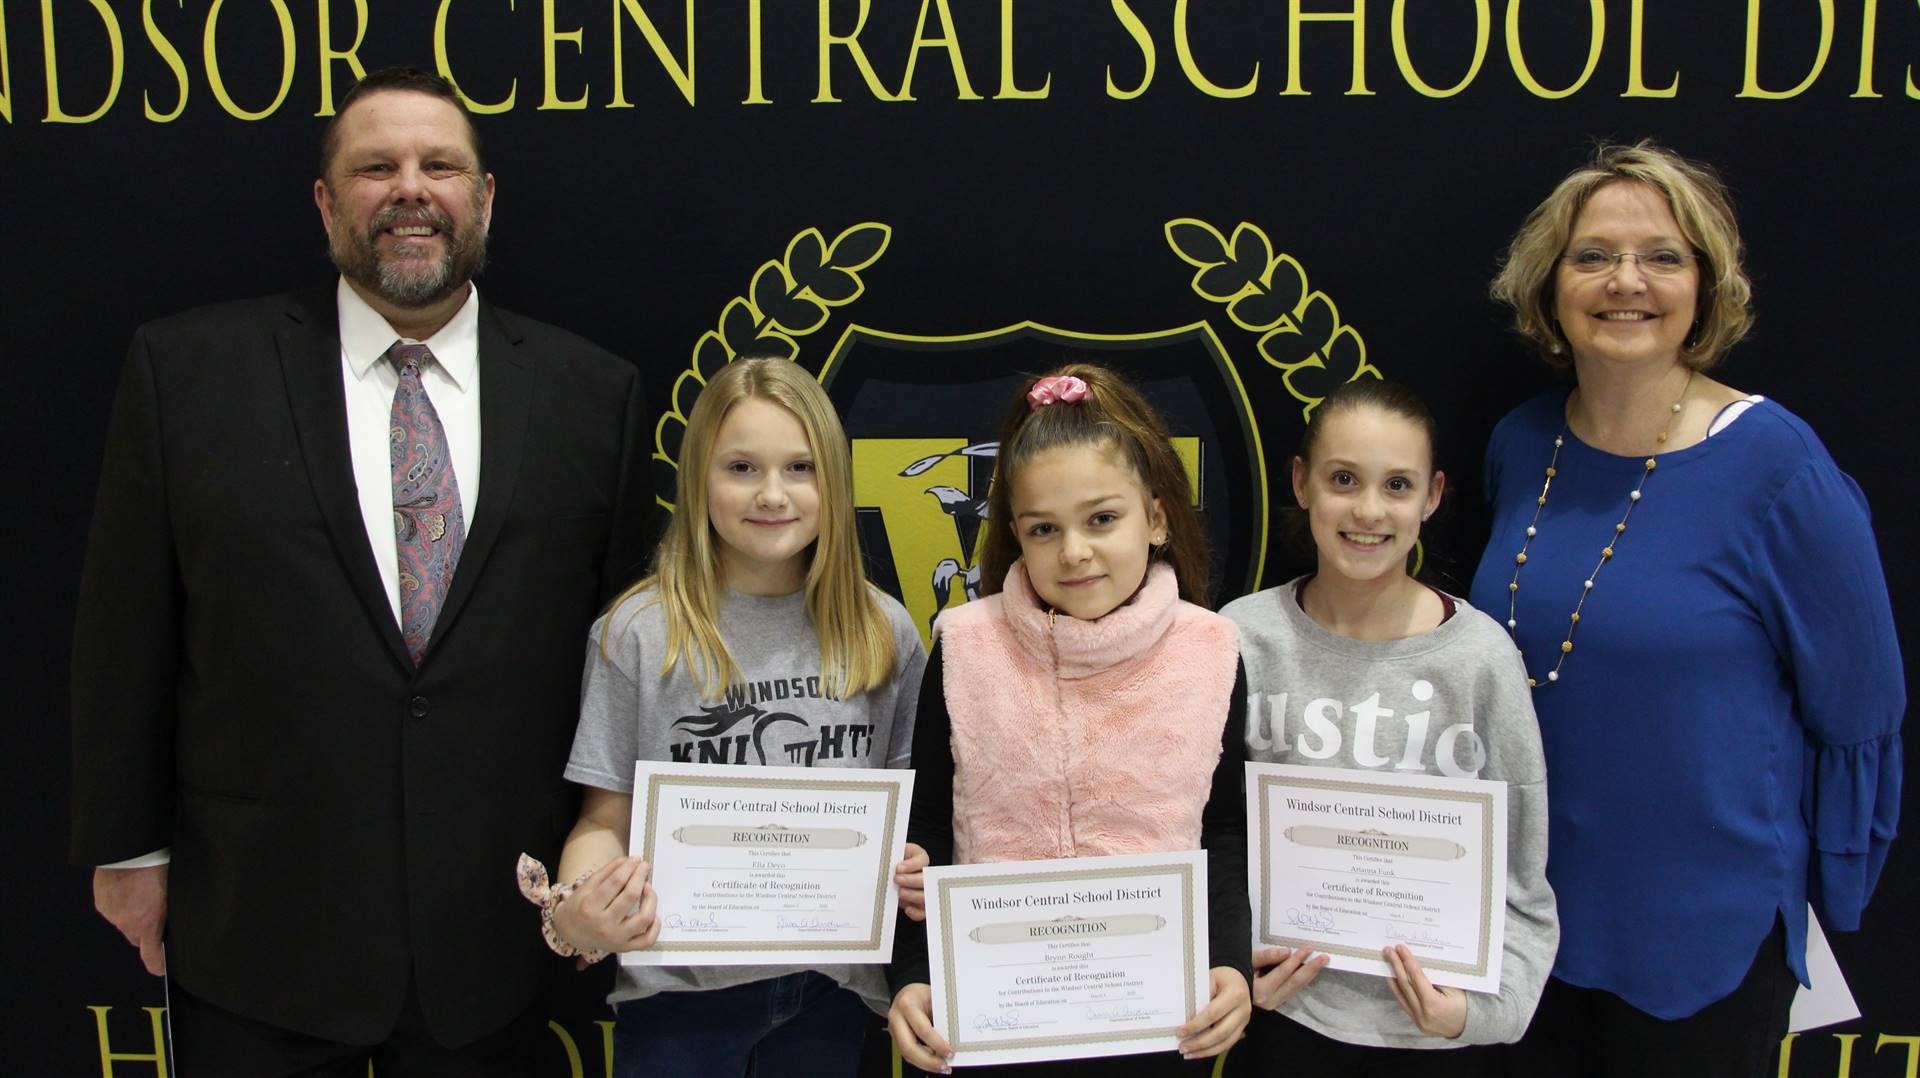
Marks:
<point>1606,552</point>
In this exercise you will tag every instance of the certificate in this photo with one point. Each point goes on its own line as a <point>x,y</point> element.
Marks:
<point>1350,862</point>
<point>1093,956</point>
<point>770,865</point>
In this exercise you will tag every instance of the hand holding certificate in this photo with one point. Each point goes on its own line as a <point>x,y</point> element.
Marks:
<point>769,865</point>
<point>1350,863</point>
<point>1041,960</point>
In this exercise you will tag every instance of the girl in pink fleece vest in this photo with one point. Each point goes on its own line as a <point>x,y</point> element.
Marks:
<point>1086,706</point>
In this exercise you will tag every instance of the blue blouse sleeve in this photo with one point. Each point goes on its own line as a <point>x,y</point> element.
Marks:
<point>1823,600</point>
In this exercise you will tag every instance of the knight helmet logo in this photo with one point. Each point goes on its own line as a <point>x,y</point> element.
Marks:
<point>718,744</point>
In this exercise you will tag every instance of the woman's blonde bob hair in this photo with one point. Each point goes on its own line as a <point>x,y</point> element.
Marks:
<point>1700,204</point>
<point>856,637</point>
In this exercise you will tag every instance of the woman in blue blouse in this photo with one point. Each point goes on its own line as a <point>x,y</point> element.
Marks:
<point>1694,586</point>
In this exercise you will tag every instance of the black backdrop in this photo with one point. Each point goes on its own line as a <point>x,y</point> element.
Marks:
<point>1026,212</point>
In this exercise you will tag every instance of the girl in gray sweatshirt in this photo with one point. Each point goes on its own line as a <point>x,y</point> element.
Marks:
<point>1402,663</point>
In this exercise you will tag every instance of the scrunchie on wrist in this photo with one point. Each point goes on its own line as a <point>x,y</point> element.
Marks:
<point>533,884</point>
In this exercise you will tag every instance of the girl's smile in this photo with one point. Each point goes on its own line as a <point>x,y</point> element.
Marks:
<point>1368,488</point>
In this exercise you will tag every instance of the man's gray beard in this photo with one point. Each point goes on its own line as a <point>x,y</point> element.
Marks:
<point>411,283</point>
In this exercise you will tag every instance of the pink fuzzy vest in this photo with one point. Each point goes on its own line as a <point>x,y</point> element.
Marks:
<point>1083,738</point>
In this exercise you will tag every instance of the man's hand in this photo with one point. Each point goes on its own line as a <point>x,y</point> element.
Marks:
<point>134,900</point>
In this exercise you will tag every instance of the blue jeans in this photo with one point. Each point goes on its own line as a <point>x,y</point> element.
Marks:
<point>802,1025</point>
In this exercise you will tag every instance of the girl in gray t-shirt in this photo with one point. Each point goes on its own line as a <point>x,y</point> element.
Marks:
<point>756,641</point>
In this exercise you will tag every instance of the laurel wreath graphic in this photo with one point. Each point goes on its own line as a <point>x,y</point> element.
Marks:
<point>789,297</point>
<point>1299,329</point>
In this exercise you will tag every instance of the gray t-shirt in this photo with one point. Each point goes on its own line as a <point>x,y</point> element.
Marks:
<point>1463,688</point>
<point>777,713</point>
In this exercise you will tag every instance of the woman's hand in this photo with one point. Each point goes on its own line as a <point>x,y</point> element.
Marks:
<point>913,885</point>
<point>1222,1021</point>
<point>910,1020</point>
<point>612,911</point>
<point>1287,972</point>
<point>1439,1012</point>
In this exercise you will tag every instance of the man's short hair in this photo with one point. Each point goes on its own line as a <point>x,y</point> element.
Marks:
<point>410,80</point>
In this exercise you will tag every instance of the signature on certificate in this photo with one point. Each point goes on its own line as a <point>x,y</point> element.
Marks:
<point>1308,918</point>
<point>687,921</point>
<point>1117,1013</point>
<point>1417,935</point>
<point>806,924</point>
<point>1003,1021</point>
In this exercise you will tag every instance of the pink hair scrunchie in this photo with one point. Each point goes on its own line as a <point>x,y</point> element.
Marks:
<point>1059,387</point>
<point>533,884</point>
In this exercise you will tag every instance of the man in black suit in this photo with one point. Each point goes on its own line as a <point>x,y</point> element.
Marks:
<point>327,657</point>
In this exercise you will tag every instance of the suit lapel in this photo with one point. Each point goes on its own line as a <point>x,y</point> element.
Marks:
<point>310,361</point>
<point>507,385</point>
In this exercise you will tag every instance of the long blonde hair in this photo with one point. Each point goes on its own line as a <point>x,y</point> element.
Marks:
<point>856,638</point>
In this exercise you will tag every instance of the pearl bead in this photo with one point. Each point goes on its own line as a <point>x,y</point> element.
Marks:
<point>1553,675</point>
<point>1588,585</point>
<point>1676,407</point>
<point>1511,624</point>
<point>1557,442</point>
<point>1635,496</point>
<point>1531,532</point>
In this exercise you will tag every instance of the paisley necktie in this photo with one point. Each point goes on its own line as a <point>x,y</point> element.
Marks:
<point>429,526</point>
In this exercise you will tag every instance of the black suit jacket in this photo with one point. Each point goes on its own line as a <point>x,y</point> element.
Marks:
<point>341,821</point>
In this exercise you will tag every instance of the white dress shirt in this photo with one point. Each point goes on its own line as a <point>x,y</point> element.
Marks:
<point>452,382</point>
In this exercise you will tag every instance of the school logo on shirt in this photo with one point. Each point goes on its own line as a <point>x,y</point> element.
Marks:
<point>758,722</point>
<point>922,403</point>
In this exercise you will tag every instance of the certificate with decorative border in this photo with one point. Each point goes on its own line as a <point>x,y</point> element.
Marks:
<point>1348,862</point>
<point>1090,956</point>
<point>770,865</point>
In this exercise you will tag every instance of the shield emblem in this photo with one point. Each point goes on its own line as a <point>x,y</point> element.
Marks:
<point>923,412</point>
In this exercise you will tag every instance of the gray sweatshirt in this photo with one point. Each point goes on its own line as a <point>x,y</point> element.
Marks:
<point>1468,678</point>
<point>777,713</point>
